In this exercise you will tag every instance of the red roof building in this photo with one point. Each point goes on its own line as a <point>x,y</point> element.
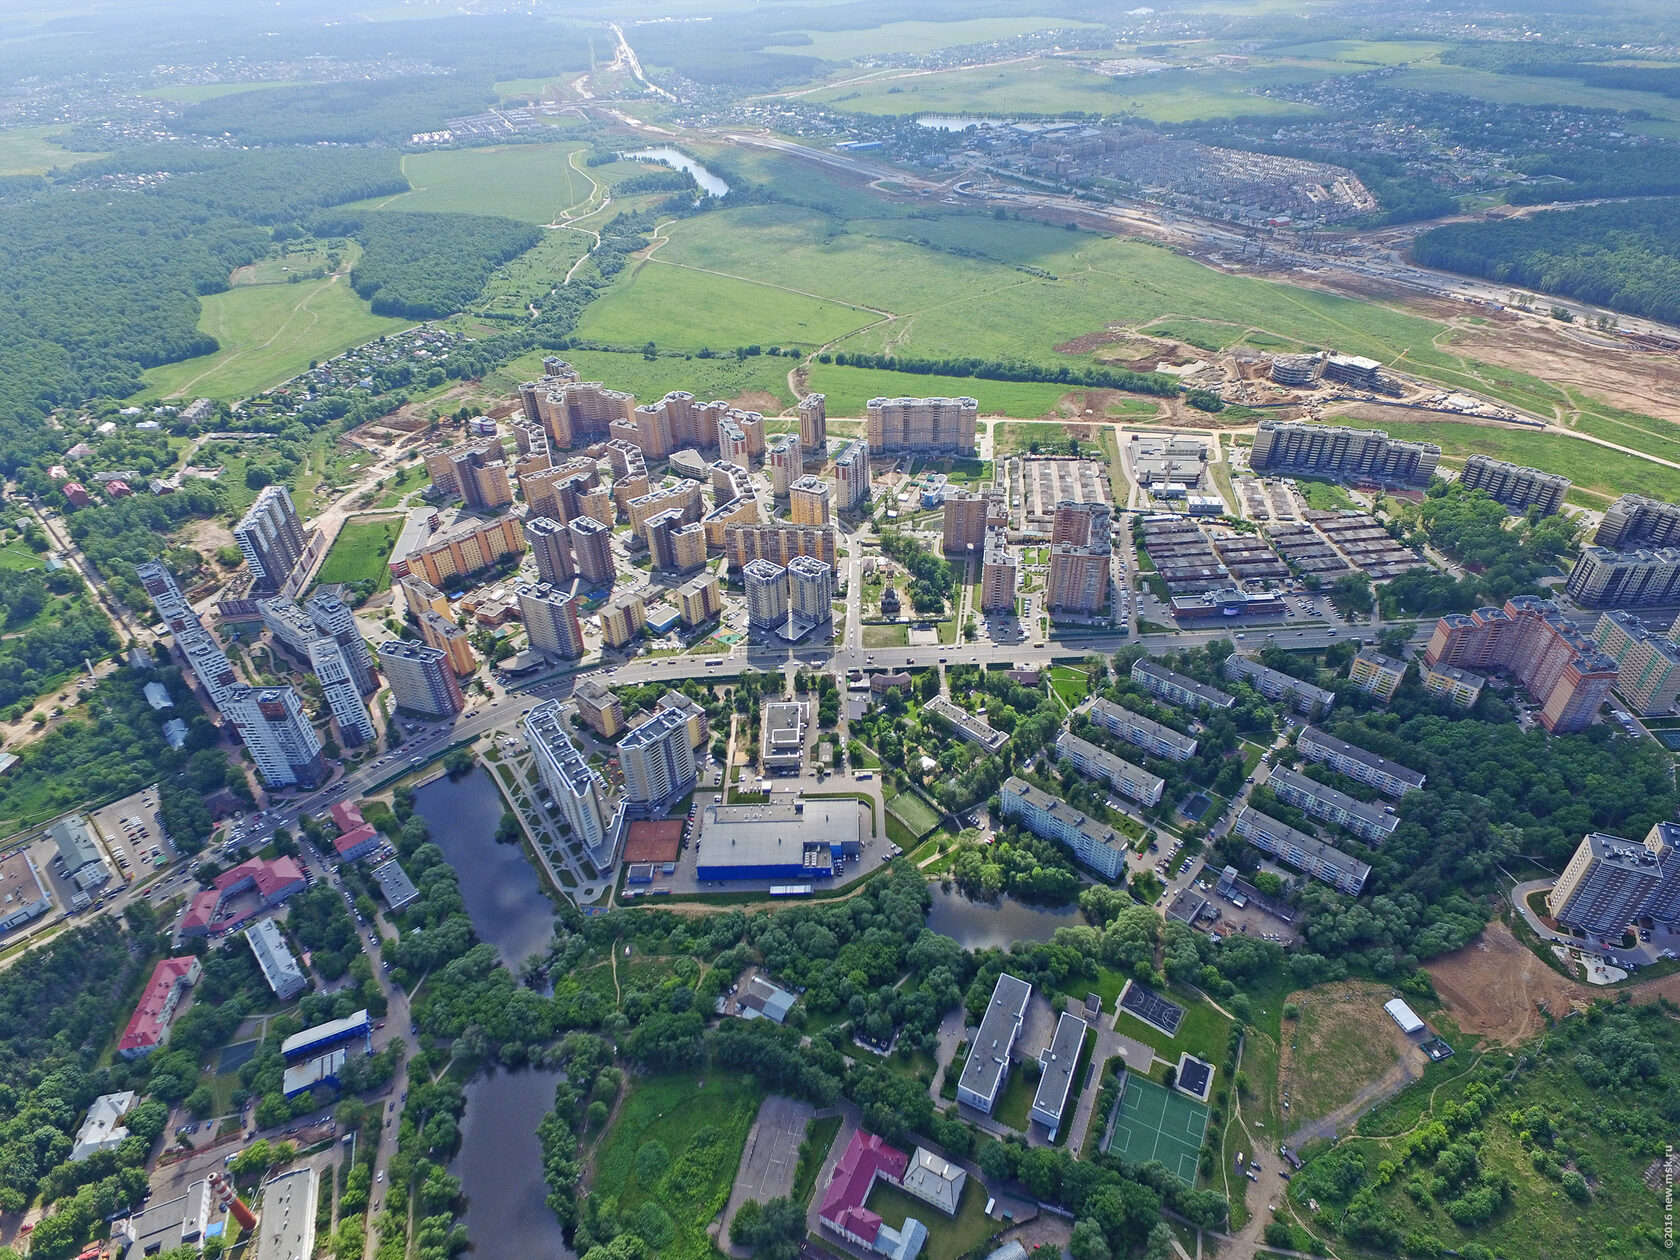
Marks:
<point>867,1157</point>
<point>149,1027</point>
<point>76,494</point>
<point>117,488</point>
<point>346,817</point>
<point>357,843</point>
<point>274,880</point>
<point>200,914</point>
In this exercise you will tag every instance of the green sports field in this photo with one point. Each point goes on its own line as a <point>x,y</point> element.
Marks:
<point>1156,1123</point>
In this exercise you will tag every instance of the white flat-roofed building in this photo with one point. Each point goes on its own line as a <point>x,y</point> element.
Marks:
<point>286,1230</point>
<point>783,744</point>
<point>103,1129</point>
<point>1370,823</point>
<point>275,958</point>
<point>23,893</point>
<point>969,726</point>
<point>1118,773</point>
<point>1176,689</point>
<point>800,840</point>
<point>987,1068</point>
<point>1403,1015</point>
<point>1388,777</point>
<point>1303,696</point>
<point>576,786</point>
<point>1057,1062</point>
<point>1095,844</point>
<point>395,885</point>
<point>1144,732</point>
<point>1303,852</point>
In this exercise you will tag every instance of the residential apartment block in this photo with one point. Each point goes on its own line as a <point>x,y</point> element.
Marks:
<point>622,620</point>
<point>1625,579</point>
<point>1388,777</point>
<point>786,461</point>
<point>1375,674</point>
<point>1371,823</point>
<point>1000,573</point>
<point>592,549</point>
<point>657,759</point>
<point>922,426</point>
<point>1301,851</point>
<point>576,786</point>
<point>1143,732</point>
<point>1336,451</point>
<point>851,475</point>
<point>1081,557</point>
<point>777,542</point>
<point>1635,521</point>
<point>421,677</point>
<point>1647,664</point>
<point>1303,696</point>
<point>970,727</point>
<point>1096,845</point>
<point>271,538</point>
<point>463,548</point>
<point>1458,685</point>
<point>1176,689</point>
<point>551,620</point>
<point>1098,763</point>
<point>574,412</point>
<point>1514,485</point>
<point>1610,882</point>
<point>810,590</point>
<point>1531,640</point>
<point>700,600</point>
<point>809,501</point>
<point>767,594</point>
<point>481,475</point>
<point>440,632</point>
<point>551,547</point>
<point>813,426</point>
<point>277,734</point>
<point>964,519</point>
<point>600,710</point>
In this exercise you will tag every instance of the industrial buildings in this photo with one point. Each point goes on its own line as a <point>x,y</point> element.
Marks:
<point>1388,777</point>
<point>1648,665</point>
<point>271,538</point>
<point>1513,485</point>
<point>1336,451</point>
<point>1096,845</point>
<point>1531,640</point>
<point>1100,764</point>
<point>23,893</point>
<point>921,426</point>
<point>983,1075</point>
<point>1301,851</point>
<point>78,855</point>
<point>576,787</point>
<point>1176,689</point>
<point>657,759</point>
<point>1371,823</point>
<point>421,678</point>
<point>1303,696</point>
<point>798,841</point>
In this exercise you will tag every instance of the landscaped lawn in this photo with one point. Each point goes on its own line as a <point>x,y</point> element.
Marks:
<point>1203,1031</point>
<point>1014,1105</point>
<point>948,1237</point>
<point>673,1152</point>
<point>361,551</point>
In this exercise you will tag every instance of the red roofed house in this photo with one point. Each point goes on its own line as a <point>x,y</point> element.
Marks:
<point>274,882</point>
<point>357,843</point>
<point>346,817</point>
<point>843,1207</point>
<point>117,488</point>
<point>149,1027</point>
<point>76,494</point>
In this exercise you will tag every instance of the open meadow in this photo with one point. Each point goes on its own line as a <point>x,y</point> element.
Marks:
<point>360,551</point>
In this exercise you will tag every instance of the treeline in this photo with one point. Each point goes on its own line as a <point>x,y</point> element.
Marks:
<point>1626,257</point>
<point>1590,66</point>
<point>386,110</point>
<point>994,370</point>
<point>1648,171</point>
<point>427,266</point>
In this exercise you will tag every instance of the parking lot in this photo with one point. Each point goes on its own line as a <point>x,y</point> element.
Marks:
<point>131,833</point>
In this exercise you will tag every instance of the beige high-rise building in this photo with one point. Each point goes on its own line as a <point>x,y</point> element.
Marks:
<point>778,543</point>
<point>716,523</point>
<point>465,547</point>
<point>551,620</point>
<point>576,412</point>
<point>421,678</point>
<point>684,497</point>
<point>1081,552</point>
<point>1635,521</point>
<point>649,427</point>
<point>999,573</point>
<point>526,465</point>
<point>419,594</point>
<point>440,468</point>
<point>808,501</point>
<point>810,590</point>
<point>676,546</point>
<point>597,505</point>
<point>600,710</point>
<point>734,447</point>
<point>767,595</point>
<point>965,522</point>
<point>851,475</point>
<point>786,463</point>
<point>554,491</point>
<point>944,426</point>
<point>551,546</point>
<point>700,600</point>
<point>622,620</point>
<point>481,475</point>
<point>730,481</point>
<point>813,426</point>
<point>592,549</point>
<point>439,631</point>
<point>1648,664</point>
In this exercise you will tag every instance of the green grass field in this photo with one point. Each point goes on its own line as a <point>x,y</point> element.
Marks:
<point>360,551</point>
<point>914,813</point>
<point>949,1238</point>
<point>918,37</point>
<point>1158,1123</point>
<point>192,93</point>
<point>649,380</point>
<point>34,151</point>
<point>849,389</point>
<point>533,182</point>
<point>1203,1031</point>
<point>269,333</point>
<point>699,1126</point>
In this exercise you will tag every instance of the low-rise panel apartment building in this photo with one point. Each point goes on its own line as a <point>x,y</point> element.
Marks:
<point>1096,845</point>
<point>1176,689</point>
<point>1388,777</point>
<point>1143,732</point>
<point>1303,696</point>
<point>1120,774</point>
<point>1370,823</point>
<point>1376,675</point>
<point>1301,851</point>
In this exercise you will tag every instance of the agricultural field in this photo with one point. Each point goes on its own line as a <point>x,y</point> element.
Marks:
<point>673,1151</point>
<point>360,552</point>
<point>917,37</point>
<point>269,333</point>
<point>35,151</point>
<point>192,93</point>
<point>530,182</point>
<point>849,390</point>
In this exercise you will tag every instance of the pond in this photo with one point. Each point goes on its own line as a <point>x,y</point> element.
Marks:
<point>498,883</point>
<point>709,183</point>
<point>958,122</point>
<point>988,925</point>
<point>500,1165</point>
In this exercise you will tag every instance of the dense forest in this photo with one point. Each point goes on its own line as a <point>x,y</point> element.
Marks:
<point>426,266</point>
<point>387,110</point>
<point>1626,257</point>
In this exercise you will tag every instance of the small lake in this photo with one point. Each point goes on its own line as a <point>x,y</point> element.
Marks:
<point>500,1165</point>
<point>709,183</point>
<point>498,883</point>
<point>958,122</point>
<point>995,925</point>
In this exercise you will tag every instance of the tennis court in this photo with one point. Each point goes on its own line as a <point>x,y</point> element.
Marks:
<point>1155,1123</point>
